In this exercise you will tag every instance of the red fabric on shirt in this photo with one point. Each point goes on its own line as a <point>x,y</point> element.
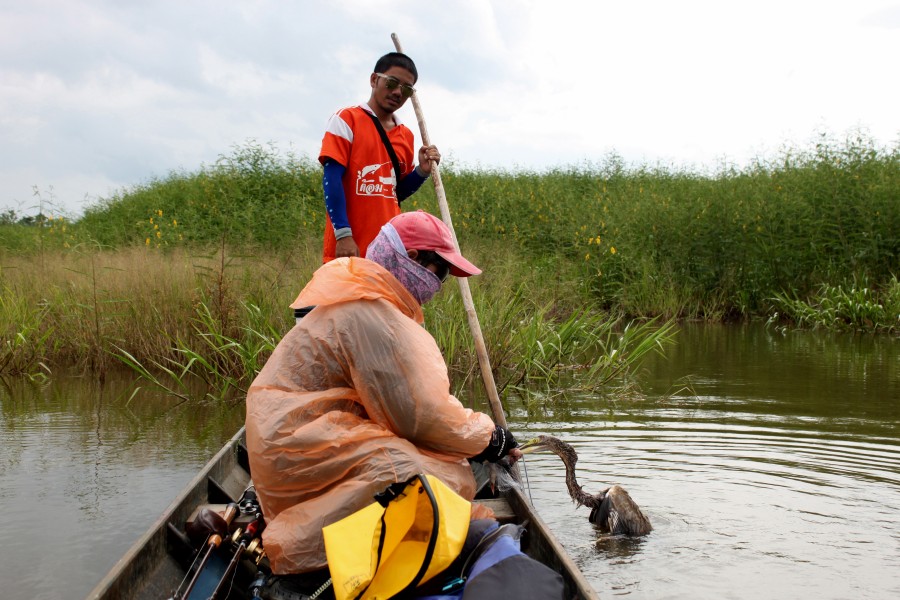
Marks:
<point>352,139</point>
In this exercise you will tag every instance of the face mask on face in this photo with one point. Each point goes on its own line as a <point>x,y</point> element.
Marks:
<point>388,251</point>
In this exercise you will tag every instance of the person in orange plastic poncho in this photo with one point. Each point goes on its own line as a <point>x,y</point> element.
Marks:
<point>356,396</point>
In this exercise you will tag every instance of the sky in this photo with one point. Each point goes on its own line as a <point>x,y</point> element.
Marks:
<point>99,96</point>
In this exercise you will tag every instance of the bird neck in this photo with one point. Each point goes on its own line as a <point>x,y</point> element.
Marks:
<point>578,494</point>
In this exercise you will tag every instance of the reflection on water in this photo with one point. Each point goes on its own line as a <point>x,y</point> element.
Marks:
<point>777,476</point>
<point>82,475</point>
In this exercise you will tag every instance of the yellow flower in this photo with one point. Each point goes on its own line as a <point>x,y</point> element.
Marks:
<point>587,256</point>
<point>159,212</point>
<point>174,222</point>
<point>147,241</point>
<point>612,249</point>
<point>159,234</point>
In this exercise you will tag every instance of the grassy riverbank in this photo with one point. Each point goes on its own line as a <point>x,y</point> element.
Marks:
<point>203,323</point>
<point>646,240</point>
<point>199,267</point>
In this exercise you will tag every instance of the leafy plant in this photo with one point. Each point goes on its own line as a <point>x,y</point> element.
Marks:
<point>844,307</point>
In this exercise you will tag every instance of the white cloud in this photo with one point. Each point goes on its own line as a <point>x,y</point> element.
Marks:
<point>96,96</point>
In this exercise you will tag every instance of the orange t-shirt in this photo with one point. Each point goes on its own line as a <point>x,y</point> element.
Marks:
<point>352,139</point>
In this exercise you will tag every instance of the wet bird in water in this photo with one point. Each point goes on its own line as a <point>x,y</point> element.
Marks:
<point>612,510</point>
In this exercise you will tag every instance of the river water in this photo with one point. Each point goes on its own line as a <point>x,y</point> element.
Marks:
<point>768,462</point>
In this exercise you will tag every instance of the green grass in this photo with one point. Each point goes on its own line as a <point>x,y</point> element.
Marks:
<point>198,268</point>
<point>648,241</point>
<point>854,306</point>
<point>203,324</point>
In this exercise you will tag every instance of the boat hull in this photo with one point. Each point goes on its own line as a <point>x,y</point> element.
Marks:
<point>154,566</point>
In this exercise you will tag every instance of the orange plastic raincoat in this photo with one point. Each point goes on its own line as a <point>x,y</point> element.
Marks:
<point>355,397</point>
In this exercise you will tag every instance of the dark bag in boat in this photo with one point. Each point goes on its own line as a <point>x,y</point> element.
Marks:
<point>492,565</point>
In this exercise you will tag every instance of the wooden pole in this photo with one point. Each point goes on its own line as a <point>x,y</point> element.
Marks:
<point>481,351</point>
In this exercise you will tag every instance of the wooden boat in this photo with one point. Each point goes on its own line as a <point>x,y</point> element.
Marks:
<point>155,565</point>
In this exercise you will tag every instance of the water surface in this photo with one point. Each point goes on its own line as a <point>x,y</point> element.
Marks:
<point>83,474</point>
<point>773,472</point>
<point>777,475</point>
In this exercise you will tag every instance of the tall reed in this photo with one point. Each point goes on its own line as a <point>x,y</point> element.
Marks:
<point>24,342</point>
<point>200,267</point>
<point>203,324</point>
<point>648,240</point>
<point>87,301</point>
<point>853,306</point>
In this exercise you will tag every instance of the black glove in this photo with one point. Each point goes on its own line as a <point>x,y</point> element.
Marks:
<point>502,441</point>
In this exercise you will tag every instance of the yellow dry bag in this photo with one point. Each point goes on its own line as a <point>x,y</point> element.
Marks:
<point>413,531</point>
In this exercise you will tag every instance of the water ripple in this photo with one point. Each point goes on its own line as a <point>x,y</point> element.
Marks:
<point>810,511</point>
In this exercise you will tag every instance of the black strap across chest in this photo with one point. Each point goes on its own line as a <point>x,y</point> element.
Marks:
<point>387,146</point>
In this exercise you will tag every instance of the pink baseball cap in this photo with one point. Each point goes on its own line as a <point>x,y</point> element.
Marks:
<point>420,230</point>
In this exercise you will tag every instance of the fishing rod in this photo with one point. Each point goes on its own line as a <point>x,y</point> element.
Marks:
<point>247,541</point>
<point>216,528</point>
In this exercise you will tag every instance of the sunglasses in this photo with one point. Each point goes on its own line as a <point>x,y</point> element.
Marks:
<point>430,257</point>
<point>392,83</point>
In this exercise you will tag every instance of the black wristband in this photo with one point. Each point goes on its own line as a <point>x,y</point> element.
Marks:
<point>502,441</point>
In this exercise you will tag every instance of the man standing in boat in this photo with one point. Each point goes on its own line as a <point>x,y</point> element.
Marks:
<point>367,155</point>
<point>357,396</point>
